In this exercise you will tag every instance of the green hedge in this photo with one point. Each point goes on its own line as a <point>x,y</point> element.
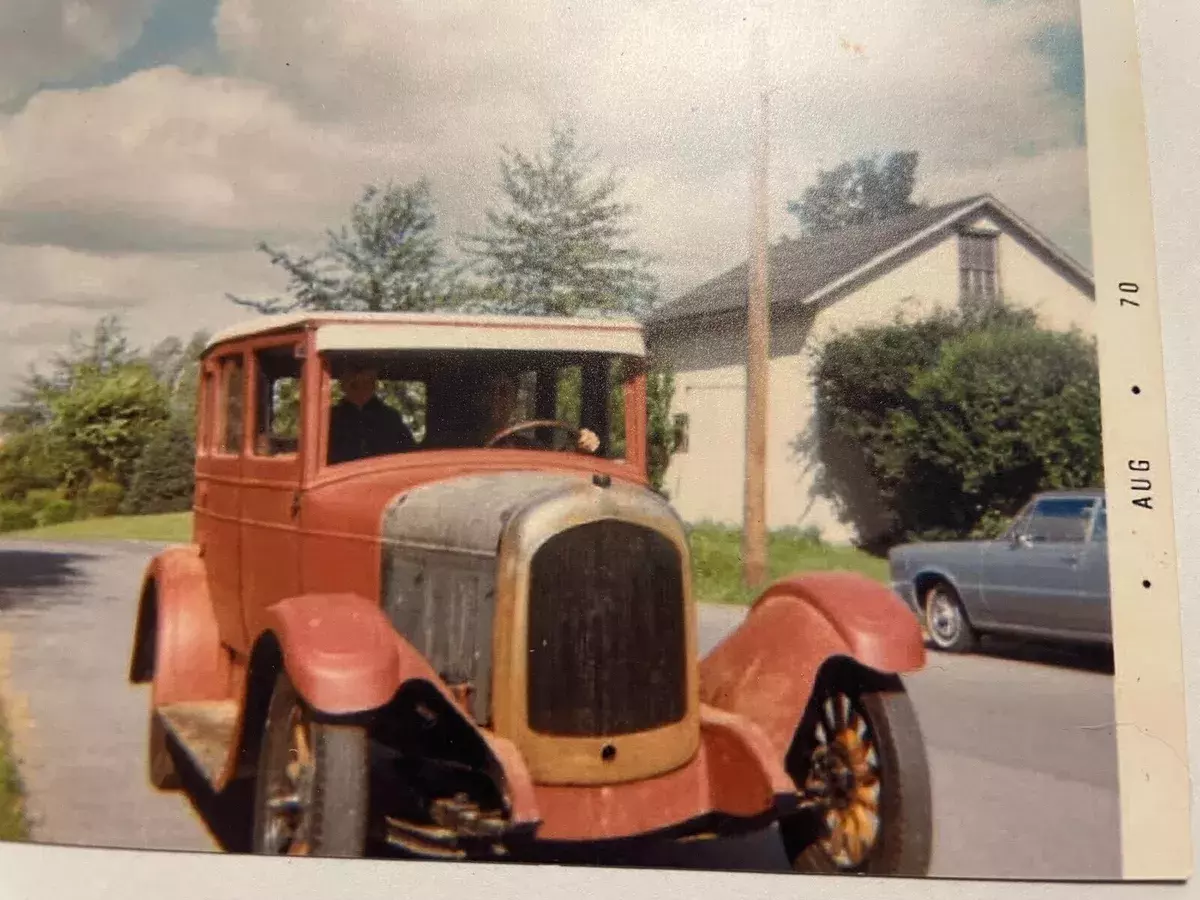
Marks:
<point>102,498</point>
<point>15,516</point>
<point>56,512</point>
<point>951,424</point>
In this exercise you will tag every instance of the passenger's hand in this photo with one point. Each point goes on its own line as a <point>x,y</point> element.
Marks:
<point>588,442</point>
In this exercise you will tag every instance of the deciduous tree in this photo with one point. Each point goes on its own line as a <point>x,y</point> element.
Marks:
<point>859,192</point>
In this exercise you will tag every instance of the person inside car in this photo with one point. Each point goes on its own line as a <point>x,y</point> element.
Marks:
<point>361,424</point>
<point>495,407</point>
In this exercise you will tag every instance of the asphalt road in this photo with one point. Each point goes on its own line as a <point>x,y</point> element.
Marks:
<point>1021,741</point>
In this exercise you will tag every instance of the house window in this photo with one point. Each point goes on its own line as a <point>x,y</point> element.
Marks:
<point>977,268</point>
<point>680,432</point>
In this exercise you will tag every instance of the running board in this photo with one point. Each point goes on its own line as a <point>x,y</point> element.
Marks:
<point>204,730</point>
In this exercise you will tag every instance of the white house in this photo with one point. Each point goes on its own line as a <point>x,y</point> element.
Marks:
<point>972,250</point>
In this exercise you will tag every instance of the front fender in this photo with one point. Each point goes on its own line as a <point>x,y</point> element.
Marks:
<point>765,671</point>
<point>341,653</point>
<point>177,644</point>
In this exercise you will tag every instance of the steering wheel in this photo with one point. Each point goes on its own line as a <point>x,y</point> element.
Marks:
<point>532,424</point>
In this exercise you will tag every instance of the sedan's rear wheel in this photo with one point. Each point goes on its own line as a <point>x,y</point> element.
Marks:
<point>311,794</point>
<point>946,621</point>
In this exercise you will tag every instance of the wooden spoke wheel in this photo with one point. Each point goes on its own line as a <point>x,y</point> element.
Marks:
<point>860,768</point>
<point>311,792</point>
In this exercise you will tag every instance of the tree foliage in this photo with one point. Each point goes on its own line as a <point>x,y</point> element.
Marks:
<point>176,365</point>
<point>954,422</point>
<point>164,478</point>
<point>85,418</point>
<point>107,418</point>
<point>858,193</point>
<point>388,259</point>
<point>559,242</point>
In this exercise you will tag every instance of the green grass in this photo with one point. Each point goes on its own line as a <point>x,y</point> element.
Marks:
<point>717,561</point>
<point>716,551</point>
<point>13,826</point>
<point>172,528</point>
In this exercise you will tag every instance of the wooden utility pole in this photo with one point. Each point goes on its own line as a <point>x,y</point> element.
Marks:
<point>758,342</point>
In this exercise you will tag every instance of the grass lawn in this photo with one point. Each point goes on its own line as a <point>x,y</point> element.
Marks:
<point>172,528</point>
<point>12,808</point>
<point>717,562</point>
<point>716,551</point>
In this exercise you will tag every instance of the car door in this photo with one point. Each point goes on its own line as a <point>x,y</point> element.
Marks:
<point>218,494</point>
<point>1035,575</point>
<point>270,545</point>
<point>1092,611</point>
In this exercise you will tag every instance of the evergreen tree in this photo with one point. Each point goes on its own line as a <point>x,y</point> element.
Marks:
<point>558,245</point>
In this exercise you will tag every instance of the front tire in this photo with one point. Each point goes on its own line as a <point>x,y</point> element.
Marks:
<point>311,791</point>
<point>946,620</point>
<point>859,763</point>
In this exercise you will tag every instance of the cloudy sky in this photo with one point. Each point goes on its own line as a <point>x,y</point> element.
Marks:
<point>147,145</point>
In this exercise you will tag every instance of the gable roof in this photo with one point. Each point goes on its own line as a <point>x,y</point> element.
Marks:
<point>809,269</point>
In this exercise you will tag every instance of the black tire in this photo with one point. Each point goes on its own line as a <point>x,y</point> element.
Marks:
<point>823,837</point>
<point>161,761</point>
<point>946,621</point>
<point>311,800</point>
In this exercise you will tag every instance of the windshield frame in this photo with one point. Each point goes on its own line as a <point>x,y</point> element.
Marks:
<point>322,365</point>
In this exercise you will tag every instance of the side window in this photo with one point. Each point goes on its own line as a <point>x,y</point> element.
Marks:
<point>277,401</point>
<point>410,399</point>
<point>204,412</point>
<point>1100,529</point>
<point>1060,520</point>
<point>232,405</point>
<point>568,401</point>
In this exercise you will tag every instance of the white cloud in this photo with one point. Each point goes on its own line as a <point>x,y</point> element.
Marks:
<point>44,40</point>
<point>140,181</point>
<point>663,90</point>
<point>166,160</point>
<point>48,292</point>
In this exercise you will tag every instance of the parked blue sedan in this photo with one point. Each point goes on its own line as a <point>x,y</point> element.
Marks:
<point>1046,577</point>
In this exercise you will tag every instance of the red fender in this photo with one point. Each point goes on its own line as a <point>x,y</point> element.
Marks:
<point>177,644</point>
<point>344,656</point>
<point>765,670</point>
<point>341,652</point>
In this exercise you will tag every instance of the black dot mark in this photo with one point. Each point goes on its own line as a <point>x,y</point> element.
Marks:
<point>609,753</point>
<point>1146,584</point>
<point>1136,389</point>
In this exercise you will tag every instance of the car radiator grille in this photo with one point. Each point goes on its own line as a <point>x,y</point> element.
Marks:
<point>607,641</point>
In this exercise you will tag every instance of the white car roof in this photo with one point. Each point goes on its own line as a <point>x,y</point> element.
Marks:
<point>449,331</point>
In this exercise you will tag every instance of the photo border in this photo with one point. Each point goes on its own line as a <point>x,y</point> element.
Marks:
<point>1148,688</point>
<point>1150,714</point>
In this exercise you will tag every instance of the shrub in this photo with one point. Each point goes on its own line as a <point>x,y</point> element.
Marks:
<point>38,499</point>
<point>164,475</point>
<point>1004,413</point>
<point>942,428</point>
<point>102,498</point>
<point>56,511</point>
<point>15,516</point>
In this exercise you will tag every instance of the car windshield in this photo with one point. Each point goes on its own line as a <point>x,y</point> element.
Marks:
<point>391,402</point>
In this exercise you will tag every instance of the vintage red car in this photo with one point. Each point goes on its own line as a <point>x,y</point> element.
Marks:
<point>412,631</point>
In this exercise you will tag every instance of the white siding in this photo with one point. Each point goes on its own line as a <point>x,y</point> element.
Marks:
<point>706,483</point>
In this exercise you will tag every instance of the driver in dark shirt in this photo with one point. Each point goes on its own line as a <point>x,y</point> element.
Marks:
<point>361,424</point>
